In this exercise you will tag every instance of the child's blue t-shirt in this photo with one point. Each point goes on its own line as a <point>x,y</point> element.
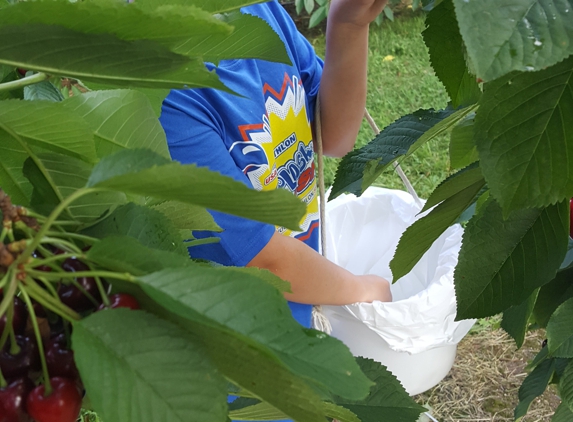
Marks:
<point>263,139</point>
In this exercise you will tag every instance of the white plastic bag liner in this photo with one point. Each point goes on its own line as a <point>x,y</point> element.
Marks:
<point>415,336</point>
<point>362,236</point>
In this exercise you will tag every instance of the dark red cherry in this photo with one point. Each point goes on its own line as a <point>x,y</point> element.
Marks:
<point>71,295</point>
<point>60,359</point>
<point>121,300</point>
<point>18,365</point>
<point>13,400</point>
<point>19,319</point>
<point>62,405</point>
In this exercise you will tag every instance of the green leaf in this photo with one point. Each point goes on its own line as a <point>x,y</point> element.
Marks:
<point>527,113</point>
<point>562,414</point>
<point>540,357</point>
<point>446,47</point>
<point>566,385</point>
<point>559,331</point>
<point>552,295</point>
<point>120,119</point>
<point>56,176</point>
<point>453,185</point>
<point>257,412</point>
<point>222,298</point>
<point>252,38</point>
<point>127,255</point>
<point>516,319</point>
<point>389,13</point>
<point>44,90</point>
<point>265,412</point>
<point>533,386</point>
<point>213,6</point>
<point>47,125</point>
<point>183,29</point>
<point>146,225</point>
<point>12,178</point>
<point>264,275</point>
<point>503,261</point>
<point>387,397</point>
<point>463,150</point>
<point>139,368</point>
<point>506,35</point>
<point>420,236</point>
<point>248,365</point>
<point>101,58</point>
<point>360,168</point>
<point>129,171</point>
<point>188,216</point>
<point>243,361</point>
<point>318,16</point>
<point>168,25</point>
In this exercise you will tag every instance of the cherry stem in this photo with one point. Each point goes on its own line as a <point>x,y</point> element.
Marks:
<point>53,217</point>
<point>9,295</point>
<point>21,83</point>
<point>38,262</point>
<point>48,285</point>
<point>35,215</point>
<point>50,302</point>
<point>11,235</point>
<point>87,239</point>
<point>102,292</point>
<point>3,382</point>
<point>63,243</point>
<point>103,274</point>
<point>14,347</point>
<point>47,385</point>
<point>6,332</point>
<point>3,234</point>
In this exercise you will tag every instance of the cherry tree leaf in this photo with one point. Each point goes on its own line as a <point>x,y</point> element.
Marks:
<point>120,119</point>
<point>506,35</point>
<point>502,261</point>
<point>207,293</point>
<point>446,47</point>
<point>524,137</point>
<point>360,168</point>
<point>143,172</point>
<point>101,58</point>
<point>559,332</point>
<point>139,368</point>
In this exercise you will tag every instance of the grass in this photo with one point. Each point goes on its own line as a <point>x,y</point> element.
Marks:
<point>400,81</point>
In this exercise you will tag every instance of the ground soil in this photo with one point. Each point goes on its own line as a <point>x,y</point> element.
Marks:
<point>483,385</point>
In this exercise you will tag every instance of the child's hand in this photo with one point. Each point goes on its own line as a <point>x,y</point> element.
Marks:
<point>356,12</point>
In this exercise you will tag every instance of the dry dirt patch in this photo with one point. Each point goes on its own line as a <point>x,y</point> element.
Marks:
<point>484,382</point>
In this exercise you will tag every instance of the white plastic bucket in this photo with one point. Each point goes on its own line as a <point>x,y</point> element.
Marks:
<point>415,336</point>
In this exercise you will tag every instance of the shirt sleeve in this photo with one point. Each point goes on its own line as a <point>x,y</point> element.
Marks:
<point>195,135</point>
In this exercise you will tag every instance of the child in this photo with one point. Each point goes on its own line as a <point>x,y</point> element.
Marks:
<point>265,140</point>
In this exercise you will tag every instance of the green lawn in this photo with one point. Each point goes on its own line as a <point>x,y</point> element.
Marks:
<point>399,85</point>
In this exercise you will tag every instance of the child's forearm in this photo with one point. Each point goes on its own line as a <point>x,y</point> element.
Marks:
<point>314,279</point>
<point>343,84</point>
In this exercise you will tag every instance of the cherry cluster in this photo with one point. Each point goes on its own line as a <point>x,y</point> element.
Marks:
<point>46,283</point>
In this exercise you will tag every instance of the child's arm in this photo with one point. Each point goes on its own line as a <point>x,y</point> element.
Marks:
<point>314,279</point>
<point>343,83</point>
